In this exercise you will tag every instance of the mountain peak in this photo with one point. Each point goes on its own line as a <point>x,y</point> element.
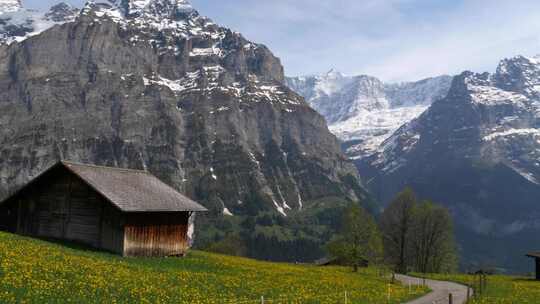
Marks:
<point>162,8</point>
<point>333,73</point>
<point>519,74</point>
<point>18,23</point>
<point>61,12</point>
<point>523,62</point>
<point>7,6</point>
<point>362,110</point>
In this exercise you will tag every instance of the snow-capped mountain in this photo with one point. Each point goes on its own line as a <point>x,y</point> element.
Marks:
<point>61,13</point>
<point>154,85</point>
<point>18,23</point>
<point>500,112</point>
<point>362,110</point>
<point>151,8</point>
<point>477,151</point>
<point>8,6</point>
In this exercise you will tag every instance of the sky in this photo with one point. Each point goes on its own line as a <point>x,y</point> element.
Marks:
<point>395,40</point>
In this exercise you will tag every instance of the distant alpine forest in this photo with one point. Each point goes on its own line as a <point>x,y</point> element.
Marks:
<point>409,235</point>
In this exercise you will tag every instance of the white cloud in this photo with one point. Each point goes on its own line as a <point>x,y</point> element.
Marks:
<point>392,39</point>
<point>473,38</point>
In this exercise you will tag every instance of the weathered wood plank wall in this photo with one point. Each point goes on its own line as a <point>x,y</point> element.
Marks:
<point>66,208</point>
<point>538,269</point>
<point>83,214</point>
<point>163,234</point>
<point>8,218</point>
<point>112,230</point>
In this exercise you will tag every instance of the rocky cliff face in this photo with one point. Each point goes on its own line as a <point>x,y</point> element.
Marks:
<point>154,85</point>
<point>362,110</point>
<point>477,151</point>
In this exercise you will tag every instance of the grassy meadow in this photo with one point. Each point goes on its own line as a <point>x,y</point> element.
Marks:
<point>500,289</point>
<point>34,271</point>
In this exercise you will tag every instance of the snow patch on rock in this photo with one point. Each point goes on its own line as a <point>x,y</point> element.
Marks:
<point>374,127</point>
<point>512,132</point>
<point>9,6</point>
<point>488,95</point>
<point>227,212</point>
<point>365,111</point>
<point>18,24</point>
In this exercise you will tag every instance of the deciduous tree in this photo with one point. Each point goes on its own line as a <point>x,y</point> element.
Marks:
<point>359,240</point>
<point>432,239</point>
<point>396,224</point>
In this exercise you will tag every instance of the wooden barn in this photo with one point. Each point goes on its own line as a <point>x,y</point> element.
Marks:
<point>128,212</point>
<point>536,257</point>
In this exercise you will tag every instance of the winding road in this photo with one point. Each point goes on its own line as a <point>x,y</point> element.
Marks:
<point>440,291</point>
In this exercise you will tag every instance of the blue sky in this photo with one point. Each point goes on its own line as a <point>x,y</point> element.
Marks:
<point>396,40</point>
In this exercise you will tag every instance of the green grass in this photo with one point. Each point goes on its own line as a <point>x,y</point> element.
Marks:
<point>500,289</point>
<point>34,271</point>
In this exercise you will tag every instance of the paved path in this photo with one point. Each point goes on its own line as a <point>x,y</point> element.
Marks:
<point>440,291</point>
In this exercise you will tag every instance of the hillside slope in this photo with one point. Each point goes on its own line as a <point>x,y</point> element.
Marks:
<point>42,272</point>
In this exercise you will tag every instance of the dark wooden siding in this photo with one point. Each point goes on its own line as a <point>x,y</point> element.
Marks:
<point>84,213</point>
<point>8,218</point>
<point>157,234</point>
<point>537,268</point>
<point>63,207</point>
<point>112,230</point>
<point>46,210</point>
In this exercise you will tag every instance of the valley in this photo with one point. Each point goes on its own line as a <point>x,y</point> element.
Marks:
<point>298,176</point>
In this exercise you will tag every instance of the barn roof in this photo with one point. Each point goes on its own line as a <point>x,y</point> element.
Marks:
<point>131,190</point>
<point>535,255</point>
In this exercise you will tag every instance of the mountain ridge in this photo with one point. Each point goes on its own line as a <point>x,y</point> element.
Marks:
<point>477,151</point>
<point>196,103</point>
<point>362,110</point>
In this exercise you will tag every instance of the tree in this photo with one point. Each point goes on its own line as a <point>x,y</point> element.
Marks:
<point>432,239</point>
<point>396,223</point>
<point>230,245</point>
<point>359,240</point>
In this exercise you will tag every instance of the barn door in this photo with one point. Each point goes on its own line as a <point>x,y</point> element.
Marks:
<point>51,216</point>
<point>83,211</point>
<point>63,215</point>
<point>62,208</point>
<point>59,215</point>
<point>52,210</point>
<point>26,215</point>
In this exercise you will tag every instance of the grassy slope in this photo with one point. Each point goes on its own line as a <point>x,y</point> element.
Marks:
<point>34,271</point>
<point>501,289</point>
